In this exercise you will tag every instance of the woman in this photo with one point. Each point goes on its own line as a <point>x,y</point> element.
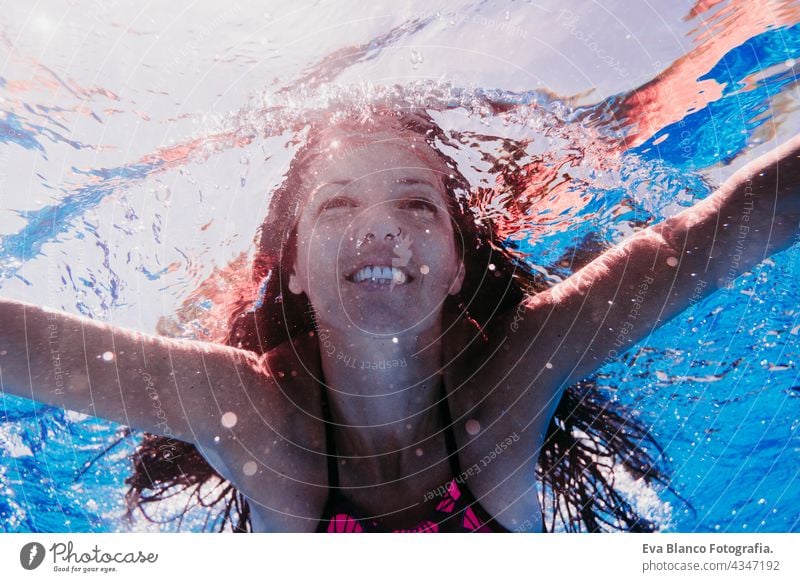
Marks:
<point>578,491</point>
<point>374,316</point>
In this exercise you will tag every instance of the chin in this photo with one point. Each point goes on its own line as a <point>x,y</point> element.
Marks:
<point>399,322</point>
<point>382,312</point>
<point>380,320</point>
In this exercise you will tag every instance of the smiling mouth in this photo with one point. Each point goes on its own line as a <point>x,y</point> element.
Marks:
<point>380,275</point>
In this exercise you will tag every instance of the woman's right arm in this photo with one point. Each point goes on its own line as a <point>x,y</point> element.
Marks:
<point>160,385</point>
<point>254,418</point>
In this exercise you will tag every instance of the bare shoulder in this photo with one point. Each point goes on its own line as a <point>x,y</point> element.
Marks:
<point>279,391</point>
<point>268,439</point>
<point>488,368</point>
<point>500,410</point>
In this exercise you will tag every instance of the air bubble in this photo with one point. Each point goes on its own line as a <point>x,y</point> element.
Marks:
<point>229,420</point>
<point>472,427</point>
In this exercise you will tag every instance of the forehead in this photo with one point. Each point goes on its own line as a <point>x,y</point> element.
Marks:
<point>386,156</point>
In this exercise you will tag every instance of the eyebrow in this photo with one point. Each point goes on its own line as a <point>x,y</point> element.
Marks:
<point>416,182</point>
<point>331,183</point>
<point>344,183</point>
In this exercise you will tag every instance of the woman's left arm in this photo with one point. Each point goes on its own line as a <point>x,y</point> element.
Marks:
<point>623,295</point>
<point>562,335</point>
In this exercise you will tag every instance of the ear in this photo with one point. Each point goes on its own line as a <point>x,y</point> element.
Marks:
<point>294,283</point>
<point>459,280</point>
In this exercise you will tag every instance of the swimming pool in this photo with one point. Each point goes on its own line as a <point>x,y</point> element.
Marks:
<point>137,145</point>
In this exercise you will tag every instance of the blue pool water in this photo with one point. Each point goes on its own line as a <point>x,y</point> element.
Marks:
<point>138,145</point>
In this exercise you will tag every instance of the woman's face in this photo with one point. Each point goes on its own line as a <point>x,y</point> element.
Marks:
<point>375,240</point>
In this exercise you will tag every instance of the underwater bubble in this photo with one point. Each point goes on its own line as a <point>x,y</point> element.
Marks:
<point>229,420</point>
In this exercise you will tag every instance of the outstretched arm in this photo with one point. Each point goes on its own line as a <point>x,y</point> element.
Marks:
<point>257,433</point>
<point>160,385</point>
<point>623,295</point>
<point>560,336</point>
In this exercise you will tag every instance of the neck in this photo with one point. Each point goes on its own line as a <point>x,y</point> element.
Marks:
<point>384,396</point>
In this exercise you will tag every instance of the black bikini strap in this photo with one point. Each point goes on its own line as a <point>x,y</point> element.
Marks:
<point>330,444</point>
<point>449,437</point>
<point>333,469</point>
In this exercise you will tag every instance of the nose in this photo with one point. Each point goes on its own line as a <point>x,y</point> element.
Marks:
<point>379,225</point>
<point>370,237</point>
<point>389,236</point>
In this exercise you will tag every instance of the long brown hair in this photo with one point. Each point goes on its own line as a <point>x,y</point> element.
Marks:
<point>587,432</point>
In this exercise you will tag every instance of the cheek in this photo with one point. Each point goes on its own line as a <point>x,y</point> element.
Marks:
<point>320,250</point>
<point>328,242</point>
<point>437,248</point>
<point>436,271</point>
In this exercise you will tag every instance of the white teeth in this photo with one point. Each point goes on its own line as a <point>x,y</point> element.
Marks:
<point>380,275</point>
